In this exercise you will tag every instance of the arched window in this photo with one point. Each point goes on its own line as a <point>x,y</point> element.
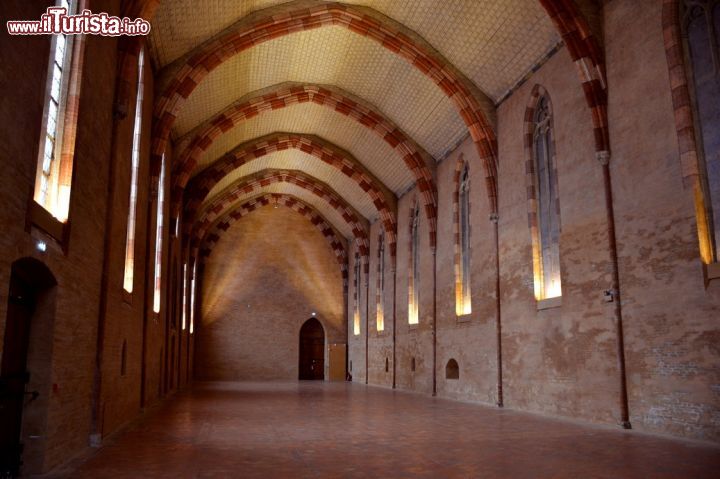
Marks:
<point>701,30</point>
<point>57,144</point>
<point>356,296</point>
<point>157,277</point>
<point>184,295</point>
<point>380,290</point>
<point>192,298</point>
<point>135,165</point>
<point>462,246</point>
<point>414,273</point>
<point>543,201</point>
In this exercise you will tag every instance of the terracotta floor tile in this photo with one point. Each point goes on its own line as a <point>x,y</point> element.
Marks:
<point>343,430</point>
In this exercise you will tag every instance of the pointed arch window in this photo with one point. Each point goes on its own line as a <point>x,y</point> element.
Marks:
<point>463,304</point>
<point>700,23</point>
<point>184,296</point>
<point>380,290</point>
<point>57,144</point>
<point>356,296</point>
<point>544,205</point>
<point>135,165</point>
<point>192,298</point>
<point>157,276</point>
<point>414,273</point>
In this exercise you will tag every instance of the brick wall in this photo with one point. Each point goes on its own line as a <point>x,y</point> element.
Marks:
<point>562,361</point>
<point>258,289</point>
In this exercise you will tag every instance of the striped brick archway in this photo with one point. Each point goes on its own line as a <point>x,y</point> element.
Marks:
<point>584,49</point>
<point>289,201</point>
<point>473,108</point>
<point>288,94</point>
<point>200,186</point>
<point>586,53</point>
<point>252,183</point>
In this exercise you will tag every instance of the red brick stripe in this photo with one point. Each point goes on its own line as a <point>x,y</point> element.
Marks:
<point>200,186</point>
<point>360,20</point>
<point>255,183</point>
<point>588,58</point>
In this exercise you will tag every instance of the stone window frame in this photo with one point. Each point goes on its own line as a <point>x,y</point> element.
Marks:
<point>50,212</point>
<point>380,284</point>
<point>537,95</point>
<point>414,266</point>
<point>130,234</point>
<point>160,200</point>
<point>356,292</point>
<point>694,173</point>
<point>463,249</point>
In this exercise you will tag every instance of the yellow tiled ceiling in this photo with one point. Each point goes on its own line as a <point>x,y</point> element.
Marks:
<point>327,211</point>
<point>363,144</point>
<point>494,42</point>
<point>336,56</point>
<point>298,160</point>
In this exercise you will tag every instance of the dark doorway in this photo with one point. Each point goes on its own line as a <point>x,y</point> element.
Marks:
<point>312,350</point>
<point>25,372</point>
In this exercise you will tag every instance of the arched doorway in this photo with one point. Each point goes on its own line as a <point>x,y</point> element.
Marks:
<point>25,374</point>
<point>312,350</point>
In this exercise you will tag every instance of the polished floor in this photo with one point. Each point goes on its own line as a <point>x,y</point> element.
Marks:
<point>343,430</point>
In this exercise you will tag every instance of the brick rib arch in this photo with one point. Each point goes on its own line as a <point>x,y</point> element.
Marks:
<point>570,23</point>
<point>588,57</point>
<point>288,94</point>
<point>200,186</point>
<point>256,182</point>
<point>289,201</point>
<point>295,17</point>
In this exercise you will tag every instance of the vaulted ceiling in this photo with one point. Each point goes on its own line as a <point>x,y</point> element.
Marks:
<point>390,117</point>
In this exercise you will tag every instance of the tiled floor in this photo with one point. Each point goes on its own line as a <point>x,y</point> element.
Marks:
<point>298,430</point>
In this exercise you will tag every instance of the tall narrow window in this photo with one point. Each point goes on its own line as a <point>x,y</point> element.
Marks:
<point>158,238</point>
<point>462,246</point>
<point>135,164</point>
<point>192,298</point>
<point>414,276</point>
<point>57,144</point>
<point>356,296</point>
<point>184,295</point>
<point>545,206</point>
<point>380,291</point>
<point>701,28</point>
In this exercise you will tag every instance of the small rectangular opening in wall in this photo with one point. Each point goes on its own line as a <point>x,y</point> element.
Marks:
<point>712,271</point>
<point>549,303</point>
<point>412,364</point>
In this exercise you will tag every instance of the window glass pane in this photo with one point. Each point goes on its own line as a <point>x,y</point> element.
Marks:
<point>547,208</point>
<point>60,46</point>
